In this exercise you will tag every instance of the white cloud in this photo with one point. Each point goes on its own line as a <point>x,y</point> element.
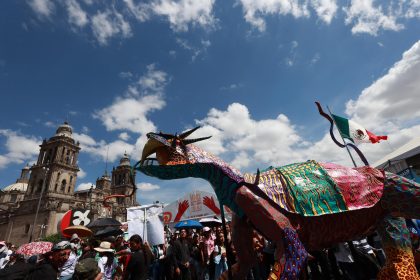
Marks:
<point>366,18</point>
<point>108,24</point>
<point>196,49</point>
<point>393,99</point>
<point>325,9</point>
<point>143,97</point>
<point>85,186</point>
<point>81,174</point>
<point>77,16</point>
<point>254,10</point>
<point>19,148</point>
<point>389,106</point>
<point>130,113</point>
<point>147,187</point>
<point>182,13</point>
<point>141,11</point>
<point>43,8</point>
<point>154,81</point>
<point>126,75</point>
<point>124,136</point>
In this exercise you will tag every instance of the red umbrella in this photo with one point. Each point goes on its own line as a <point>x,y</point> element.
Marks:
<point>35,248</point>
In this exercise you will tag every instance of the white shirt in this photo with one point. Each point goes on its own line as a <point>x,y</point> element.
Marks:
<point>106,271</point>
<point>68,268</point>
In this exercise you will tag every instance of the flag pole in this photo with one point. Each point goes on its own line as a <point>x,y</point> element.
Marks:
<point>342,138</point>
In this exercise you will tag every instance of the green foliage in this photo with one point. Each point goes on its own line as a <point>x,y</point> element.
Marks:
<point>54,238</point>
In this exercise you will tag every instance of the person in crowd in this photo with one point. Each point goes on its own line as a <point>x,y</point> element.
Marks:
<point>346,263</point>
<point>207,250</point>
<point>107,262</point>
<point>88,249</point>
<point>181,254</point>
<point>5,252</point>
<point>67,270</point>
<point>197,259</point>
<point>49,268</point>
<point>219,256</point>
<point>76,244</point>
<point>16,268</point>
<point>137,267</point>
<point>87,269</point>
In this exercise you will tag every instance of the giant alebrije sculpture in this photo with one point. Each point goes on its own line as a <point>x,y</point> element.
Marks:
<point>301,207</point>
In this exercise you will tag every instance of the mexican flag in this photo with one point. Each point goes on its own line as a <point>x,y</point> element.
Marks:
<point>355,132</point>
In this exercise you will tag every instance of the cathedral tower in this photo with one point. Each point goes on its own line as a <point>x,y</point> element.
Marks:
<point>121,182</point>
<point>56,167</point>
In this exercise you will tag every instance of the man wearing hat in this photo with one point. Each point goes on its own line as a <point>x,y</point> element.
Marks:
<point>67,270</point>
<point>86,269</point>
<point>49,268</point>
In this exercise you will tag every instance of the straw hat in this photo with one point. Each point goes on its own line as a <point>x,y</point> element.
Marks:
<point>104,247</point>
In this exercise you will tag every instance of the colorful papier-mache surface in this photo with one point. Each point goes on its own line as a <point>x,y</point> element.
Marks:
<point>313,189</point>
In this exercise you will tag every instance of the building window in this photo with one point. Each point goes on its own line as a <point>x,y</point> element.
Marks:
<point>40,183</point>
<point>13,197</point>
<point>63,185</point>
<point>27,227</point>
<point>56,187</point>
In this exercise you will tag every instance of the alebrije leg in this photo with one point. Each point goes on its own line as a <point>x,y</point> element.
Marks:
<point>396,241</point>
<point>271,223</point>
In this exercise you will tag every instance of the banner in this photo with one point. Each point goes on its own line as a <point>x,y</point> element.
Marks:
<point>74,217</point>
<point>144,221</point>
<point>195,205</point>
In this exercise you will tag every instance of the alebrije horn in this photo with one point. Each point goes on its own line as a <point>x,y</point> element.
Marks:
<point>190,141</point>
<point>188,133</point>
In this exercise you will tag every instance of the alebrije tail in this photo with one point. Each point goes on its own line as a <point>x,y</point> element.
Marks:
<point>396,242</point>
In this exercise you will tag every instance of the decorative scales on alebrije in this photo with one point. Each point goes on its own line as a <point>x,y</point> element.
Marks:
<point>313,189</point>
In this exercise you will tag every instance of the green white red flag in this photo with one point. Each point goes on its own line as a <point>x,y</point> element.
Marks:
<point>355,132</point>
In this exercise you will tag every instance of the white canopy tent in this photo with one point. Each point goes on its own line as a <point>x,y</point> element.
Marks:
<point>410,149</point>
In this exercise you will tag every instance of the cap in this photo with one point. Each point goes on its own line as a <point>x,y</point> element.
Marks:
<point>74,236</point>
<point>61,246</point>
<point>86,269</point>
<point>104,247</point>
<point>3,243</point>
<point>205,229</point>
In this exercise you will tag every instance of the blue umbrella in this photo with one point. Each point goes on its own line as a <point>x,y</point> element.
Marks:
<point>188,224</point>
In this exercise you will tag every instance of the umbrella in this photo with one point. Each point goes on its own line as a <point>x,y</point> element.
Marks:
<point>104,222</point>
<point>210,222</point>
<point>35,248</point>
<point>81,231</point>
<point>188,224</point>
<point>109,231</point>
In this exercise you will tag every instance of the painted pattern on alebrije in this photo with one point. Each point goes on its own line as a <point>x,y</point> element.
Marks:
<point>295,254</point>
<point>362,187</point>
<point>397,244</point>
<point>401,196</point>
<point>271,183</point>
<point>399,265</point>
<point>312,189</point>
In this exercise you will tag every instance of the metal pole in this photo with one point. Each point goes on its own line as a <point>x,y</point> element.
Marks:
<point>39,205</point>
<point>339,132</point>
<point>228,251</point>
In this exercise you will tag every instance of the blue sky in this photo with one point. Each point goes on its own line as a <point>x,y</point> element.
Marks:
<point>248,71</point>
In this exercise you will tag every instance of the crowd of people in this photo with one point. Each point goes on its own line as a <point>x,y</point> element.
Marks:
<point>187,254</point>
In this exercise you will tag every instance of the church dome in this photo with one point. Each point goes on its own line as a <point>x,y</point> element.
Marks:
<point>64,130</point>
<point>125,160</point>
<point>21,187</point>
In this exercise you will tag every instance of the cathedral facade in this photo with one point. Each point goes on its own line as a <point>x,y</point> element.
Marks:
<point>32,207</point>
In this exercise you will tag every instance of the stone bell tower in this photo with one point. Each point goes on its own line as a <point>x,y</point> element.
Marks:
<point>121,182</point>
<point>56,168</point>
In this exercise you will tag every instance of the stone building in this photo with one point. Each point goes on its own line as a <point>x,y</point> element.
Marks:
<point>49,185</point>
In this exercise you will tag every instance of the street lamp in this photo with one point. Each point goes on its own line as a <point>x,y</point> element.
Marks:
<point>39,203</point>
<point>90,198</point>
